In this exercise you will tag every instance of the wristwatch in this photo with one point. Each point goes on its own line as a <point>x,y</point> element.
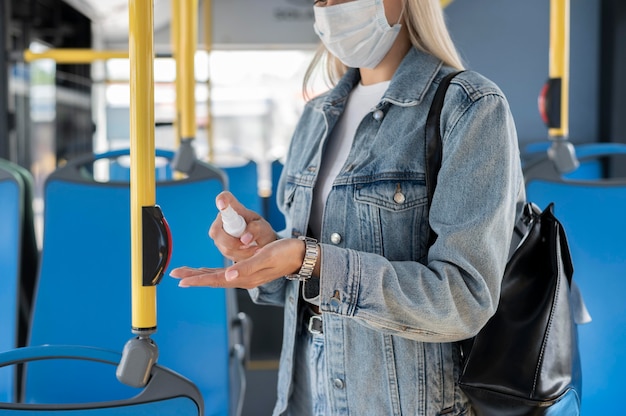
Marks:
<point>311,253</point>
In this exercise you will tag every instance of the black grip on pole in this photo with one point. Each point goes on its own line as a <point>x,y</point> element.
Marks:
<point>550,103</point>
<point>157,245</point>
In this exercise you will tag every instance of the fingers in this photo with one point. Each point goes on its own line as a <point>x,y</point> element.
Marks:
<point>213,277</point>
<point>226,198</point>
<point>233,248</point>
<point>258,231</point>
<point>204,276</point>
<point>267,264</point>
<point>184,271</point>
<point>273,261</point>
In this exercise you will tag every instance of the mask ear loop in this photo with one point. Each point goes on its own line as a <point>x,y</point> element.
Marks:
<point>401,12</point>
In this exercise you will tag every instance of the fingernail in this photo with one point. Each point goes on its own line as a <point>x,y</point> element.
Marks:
<point>231,274</point>
<point>220,204</point>
<point>182,284</point>
<point>246,238</point>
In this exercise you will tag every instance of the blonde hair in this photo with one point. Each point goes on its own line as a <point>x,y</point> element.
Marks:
<point>428,32</point>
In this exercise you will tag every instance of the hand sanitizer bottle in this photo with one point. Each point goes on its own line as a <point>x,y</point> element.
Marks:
<point>233,223</point>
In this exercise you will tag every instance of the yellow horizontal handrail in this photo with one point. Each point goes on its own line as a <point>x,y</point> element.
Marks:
<point>74,56</point>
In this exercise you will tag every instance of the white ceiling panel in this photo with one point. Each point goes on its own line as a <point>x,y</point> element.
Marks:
<point>238,24</point>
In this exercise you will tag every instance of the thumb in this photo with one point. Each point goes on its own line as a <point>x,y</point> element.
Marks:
<point>225,198</point>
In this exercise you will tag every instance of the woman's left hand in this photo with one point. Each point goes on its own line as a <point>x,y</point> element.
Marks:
<point>273,261</point>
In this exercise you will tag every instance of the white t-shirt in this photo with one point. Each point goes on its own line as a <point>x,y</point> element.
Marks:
<point>361,101</point>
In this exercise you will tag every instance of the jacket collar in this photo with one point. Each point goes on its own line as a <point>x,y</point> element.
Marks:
<point>408,85</point>
<point>413,77</point>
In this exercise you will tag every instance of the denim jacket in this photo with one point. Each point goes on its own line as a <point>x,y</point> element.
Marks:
<point>392,308</point>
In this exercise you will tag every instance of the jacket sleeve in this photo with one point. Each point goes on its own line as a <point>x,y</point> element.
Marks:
<point>473,212</point>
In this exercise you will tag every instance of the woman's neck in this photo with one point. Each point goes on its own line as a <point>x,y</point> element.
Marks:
<point>387,67</point>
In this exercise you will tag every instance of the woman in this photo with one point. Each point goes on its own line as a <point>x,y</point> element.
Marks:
<point>371,313</point>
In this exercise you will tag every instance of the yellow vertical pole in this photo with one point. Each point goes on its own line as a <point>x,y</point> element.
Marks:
<point>208,45</point>
<point>142,154</point>
<point>559,59</point>
<point>561,152</point>
<point>188,39</point>
<point>175,42</point>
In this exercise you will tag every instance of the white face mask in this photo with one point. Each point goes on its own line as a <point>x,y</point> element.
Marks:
<point>356,32</point>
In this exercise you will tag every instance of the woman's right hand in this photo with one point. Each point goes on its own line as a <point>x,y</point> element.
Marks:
<point>258,232</point>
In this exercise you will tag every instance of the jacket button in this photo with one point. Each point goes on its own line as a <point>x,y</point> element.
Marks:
<point>335,238</point>
<point>338,383</point>
<point>399,198</point>
<point>378,115</point>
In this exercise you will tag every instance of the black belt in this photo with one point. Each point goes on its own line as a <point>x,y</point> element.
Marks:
<point>312,320</point>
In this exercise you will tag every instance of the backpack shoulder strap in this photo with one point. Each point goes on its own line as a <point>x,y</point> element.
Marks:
<point>434,144</point>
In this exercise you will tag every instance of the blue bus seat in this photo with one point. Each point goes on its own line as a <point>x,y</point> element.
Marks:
<point>83,296</point>
<point>11,189</point>
<point>592,212</point>
<point>242,176</point>
<point>274,216</point>
<point>166,393</point>
<point>243,182</point>
<point>18,263</point>
<point>117,164</point>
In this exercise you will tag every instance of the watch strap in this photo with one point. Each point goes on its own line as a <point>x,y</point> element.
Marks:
<point>311,254</point>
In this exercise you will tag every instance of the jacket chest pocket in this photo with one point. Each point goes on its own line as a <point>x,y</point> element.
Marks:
<point>392,217</point>
<point>296,199</point>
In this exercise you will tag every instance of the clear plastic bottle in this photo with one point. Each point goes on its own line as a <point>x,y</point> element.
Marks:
<point>233,223</point>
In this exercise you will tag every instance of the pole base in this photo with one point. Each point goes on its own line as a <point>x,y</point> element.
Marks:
<point>138,357</point>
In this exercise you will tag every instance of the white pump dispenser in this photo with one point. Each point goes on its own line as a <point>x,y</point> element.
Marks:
<point>233,223</point>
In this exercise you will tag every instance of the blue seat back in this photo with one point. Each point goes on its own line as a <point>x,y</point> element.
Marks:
<point>592,212</point>
<point>118,165</point>
<point>83,296</point>
<point>274,215</point>
<point>243,182</point>
<point>11,215</point>
<point>166,393</point>
<point>242,179</point>
<point>19,259</point>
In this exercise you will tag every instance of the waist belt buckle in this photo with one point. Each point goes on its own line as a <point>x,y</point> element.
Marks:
<point>315,324</point>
